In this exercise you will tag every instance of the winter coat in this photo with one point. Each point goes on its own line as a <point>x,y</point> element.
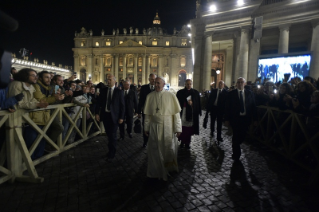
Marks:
<point>28,102</point>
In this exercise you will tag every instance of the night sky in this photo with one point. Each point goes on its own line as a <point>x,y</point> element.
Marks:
<point>46,28</point>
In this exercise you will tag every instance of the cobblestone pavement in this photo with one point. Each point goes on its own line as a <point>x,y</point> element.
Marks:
<point>208,180</point>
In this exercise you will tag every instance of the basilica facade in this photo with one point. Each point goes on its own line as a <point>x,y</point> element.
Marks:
<point>134,53</point>
<point>229,36</point>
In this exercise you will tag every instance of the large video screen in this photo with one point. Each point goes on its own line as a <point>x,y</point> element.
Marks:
<point>277,67</point>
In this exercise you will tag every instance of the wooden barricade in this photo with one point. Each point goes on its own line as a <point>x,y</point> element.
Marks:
<point>286,133</point>
<point>17,156</point>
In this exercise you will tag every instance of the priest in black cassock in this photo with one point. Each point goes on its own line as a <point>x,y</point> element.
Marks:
<point>189,101</point>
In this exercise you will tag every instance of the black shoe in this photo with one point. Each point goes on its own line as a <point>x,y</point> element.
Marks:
<point>130,135</point>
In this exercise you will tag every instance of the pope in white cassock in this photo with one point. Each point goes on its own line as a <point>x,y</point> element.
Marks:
<point>163,126</point>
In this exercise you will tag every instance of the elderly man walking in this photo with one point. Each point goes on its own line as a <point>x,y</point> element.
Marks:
<point>162,122</point>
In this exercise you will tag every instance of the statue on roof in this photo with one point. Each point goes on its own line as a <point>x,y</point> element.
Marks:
<point>124,31</point>
<point>91,32</point>
<point>102,32</point>
<point>136,31</point>
<point>113,31</point>
<point>144,31</point>
<point>131,30</point>
<point>117,31</point>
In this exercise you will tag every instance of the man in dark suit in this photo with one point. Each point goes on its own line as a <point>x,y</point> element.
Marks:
<point>216,107</point>
<point>110,109</point>
<point>145,90</point>
<point>240,109</point>
<point>130,99</point>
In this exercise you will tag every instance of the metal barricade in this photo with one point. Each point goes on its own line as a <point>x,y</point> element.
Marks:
<point>17,156</point>
<point>286,133</point>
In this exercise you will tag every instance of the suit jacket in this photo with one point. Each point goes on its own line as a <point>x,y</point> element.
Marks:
<point>232,108</point>
<point>130,103</point>
<point>117,104</point>
<point>220,102</point>
<point>145,90</point>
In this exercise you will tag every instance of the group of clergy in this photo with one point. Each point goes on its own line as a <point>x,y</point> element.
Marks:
<point>166,119</point>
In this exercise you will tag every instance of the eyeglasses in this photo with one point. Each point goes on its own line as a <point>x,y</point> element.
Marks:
<point>33,75</point>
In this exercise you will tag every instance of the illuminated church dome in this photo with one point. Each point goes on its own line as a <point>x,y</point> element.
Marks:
<point>157,20</point>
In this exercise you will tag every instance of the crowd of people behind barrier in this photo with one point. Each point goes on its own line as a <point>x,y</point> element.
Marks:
<point>38,90</point>
<point>31,90</point>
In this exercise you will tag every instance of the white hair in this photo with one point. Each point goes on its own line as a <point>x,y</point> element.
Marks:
<point>161,78</point>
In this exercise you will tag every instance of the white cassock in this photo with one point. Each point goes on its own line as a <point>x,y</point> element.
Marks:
<point>162,121</point>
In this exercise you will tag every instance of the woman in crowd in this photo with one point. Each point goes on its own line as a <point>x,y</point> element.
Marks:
<point>282,99</point>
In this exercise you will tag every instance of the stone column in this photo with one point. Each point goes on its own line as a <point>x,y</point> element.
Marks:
<point>116,66</point>
<point>314,67</point>
<point>243,54</point>
<point>102,70</point>
<point>174,71</point>
<point>207,63</point>
<point>76,64</point>
<point>160,65</point>
<point>235,58</point>
<point>124,66</point>
<point>229,65</point>
<point>135,69</point>
<point>148,68</point>
<point>89,66</point>
<point>197,79</point>
<point>283,39</point>
<point>113,67</point>
<point>254,52</point>
<point>143,69</point>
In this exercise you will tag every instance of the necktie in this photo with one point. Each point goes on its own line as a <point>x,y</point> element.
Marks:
<point>242,108</point>
<point>125,93</point>
<point>109,99</point>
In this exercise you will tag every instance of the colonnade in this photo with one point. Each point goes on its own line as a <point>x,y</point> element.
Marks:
<point>244,53</point>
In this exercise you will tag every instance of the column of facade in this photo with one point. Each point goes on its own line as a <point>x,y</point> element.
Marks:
<point>113,67</point>
<point>243,54</point>
<point>207,72</point>
<point>89,66</point>
<point>283,39</point>
<point>236,55</point>
<point>76,65</point>
<point>254,52</point>
<point>135,69</point>
<point>148,67</point>
<point>314,68</point>
<point>102,69</point>
<point>116,66</point>
<point>173,79</point>
<point>160,65</point>
<point>124,66</point>
<point>198,68</point>
<point>143,69</point>
<point>229,65</point>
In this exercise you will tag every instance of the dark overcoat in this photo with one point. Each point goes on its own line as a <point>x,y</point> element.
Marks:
<point>197,111</point>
